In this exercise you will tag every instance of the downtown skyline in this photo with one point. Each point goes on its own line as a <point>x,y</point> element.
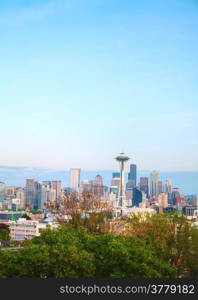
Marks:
<point>122,192</point>
<point>16,176</point>
<point>81,81</point>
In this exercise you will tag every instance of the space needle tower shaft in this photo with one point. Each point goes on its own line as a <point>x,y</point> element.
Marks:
<point>122,158</point>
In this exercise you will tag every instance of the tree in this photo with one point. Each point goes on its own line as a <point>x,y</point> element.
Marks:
<point>117,256</point>
<point>4,232</point>
<point>84,209</point>
<point>76,253</point>
<point>25,216</point>
<point>171,237</point>
<point>164,245</point>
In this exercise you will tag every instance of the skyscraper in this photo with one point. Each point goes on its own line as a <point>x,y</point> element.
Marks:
<point>30,193</point>
<point>10,192</point>
<point>153,183</point>
<point>33,193</point>
<point>159,187</point>
<point>132,177</point>
<point>37,200</point>
<point>56,185</point>
<point>2,191</point>
<point>20,194</point>
<point>48,196</point>
<point>98,180</point>
<point>174,195</point>
<point>75,179</point>
<point>144,185</point>
<point>98,188</point>
<point>168,186</point>
<point>115,181</point>
<point>168,189</point>
<point>129,197</point>
<point>137,197</point>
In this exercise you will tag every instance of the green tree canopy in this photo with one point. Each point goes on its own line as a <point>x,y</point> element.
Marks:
<point>171,238</point>
<point>4,232</point>
<point>75,253</point>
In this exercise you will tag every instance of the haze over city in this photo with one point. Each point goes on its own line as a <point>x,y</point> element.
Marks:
<point>82,81</point>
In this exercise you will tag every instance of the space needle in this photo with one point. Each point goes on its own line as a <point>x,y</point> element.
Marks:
<point>122,158</point>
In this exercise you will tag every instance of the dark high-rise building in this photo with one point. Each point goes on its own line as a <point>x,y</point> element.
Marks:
<point>137,197</point>
<point>38,191</point>
<point>30,193</point>
<point>144,186</point>
<point>132,177</point>
<point>159,187</point>
<point>33,194</point>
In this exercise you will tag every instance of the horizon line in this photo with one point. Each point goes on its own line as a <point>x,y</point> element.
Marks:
<point>93,170</point>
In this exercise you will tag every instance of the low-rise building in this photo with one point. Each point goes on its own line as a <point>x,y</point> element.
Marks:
<point>190,211</point>
<point>27,229</point>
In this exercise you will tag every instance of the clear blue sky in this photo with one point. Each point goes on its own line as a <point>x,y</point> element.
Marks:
<point>82,80</point>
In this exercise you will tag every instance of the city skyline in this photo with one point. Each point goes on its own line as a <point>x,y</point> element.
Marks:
<point>81,81</point>
<point>121,194</point>
<point>17,176</point>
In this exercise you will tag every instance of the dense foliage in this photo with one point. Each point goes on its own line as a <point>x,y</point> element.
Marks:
<point>4,232</point>
<point>25,216</point>
<point>171,237</point>
<point>70,252</point>
<point>155,246</point>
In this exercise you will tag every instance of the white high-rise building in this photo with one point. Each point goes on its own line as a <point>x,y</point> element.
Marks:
<point>168,186</point>
<point>75,179</point>
<point>48,195</point>
<point>2,191</point>
<point>153,184</point>
<point>20,194</point>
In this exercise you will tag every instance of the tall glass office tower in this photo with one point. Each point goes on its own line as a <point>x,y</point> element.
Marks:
<point>75,179</point>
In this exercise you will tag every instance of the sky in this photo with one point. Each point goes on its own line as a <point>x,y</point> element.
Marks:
<point>83,80</point>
